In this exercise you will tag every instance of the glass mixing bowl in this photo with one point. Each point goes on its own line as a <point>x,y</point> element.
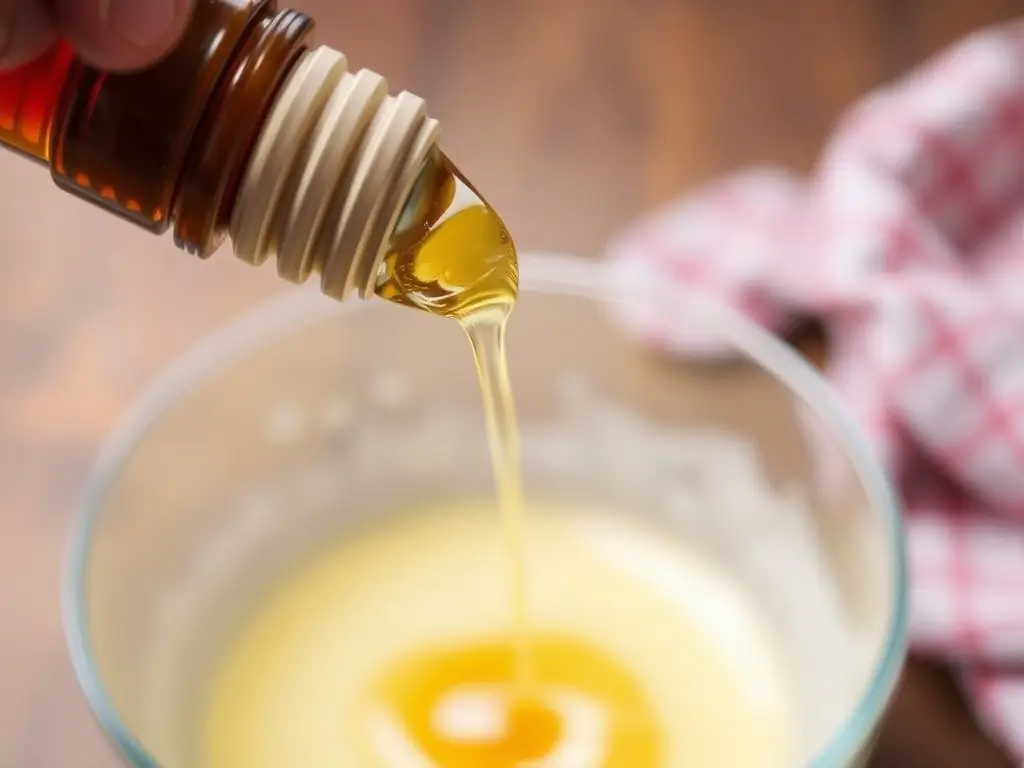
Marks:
<point>278,433</point>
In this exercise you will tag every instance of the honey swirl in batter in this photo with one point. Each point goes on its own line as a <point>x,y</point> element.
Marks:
<point>453,256</point>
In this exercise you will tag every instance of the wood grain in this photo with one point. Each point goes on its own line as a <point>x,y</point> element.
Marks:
<point>573,116</point>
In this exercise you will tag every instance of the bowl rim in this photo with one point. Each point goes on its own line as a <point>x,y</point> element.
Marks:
<point>541,272</point>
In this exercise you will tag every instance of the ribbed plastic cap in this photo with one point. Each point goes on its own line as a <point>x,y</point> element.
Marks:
<point>329,175</point>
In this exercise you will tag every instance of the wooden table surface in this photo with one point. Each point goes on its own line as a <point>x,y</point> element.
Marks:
<point>572,116</point>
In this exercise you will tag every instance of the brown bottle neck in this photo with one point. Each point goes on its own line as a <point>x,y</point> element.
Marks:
<point>141,144</point>
<point>229,129</point>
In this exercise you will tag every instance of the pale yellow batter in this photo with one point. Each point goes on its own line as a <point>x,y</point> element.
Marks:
<point>638,642</point>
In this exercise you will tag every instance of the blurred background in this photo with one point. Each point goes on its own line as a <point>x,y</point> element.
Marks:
<point>572,117</point>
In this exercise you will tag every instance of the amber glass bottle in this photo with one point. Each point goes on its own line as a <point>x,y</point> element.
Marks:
<point>242,131</point>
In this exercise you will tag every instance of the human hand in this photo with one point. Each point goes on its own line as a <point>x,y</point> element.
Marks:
<point>110,34</point>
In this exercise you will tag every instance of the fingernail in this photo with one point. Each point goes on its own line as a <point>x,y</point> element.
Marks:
<point>144,23</point>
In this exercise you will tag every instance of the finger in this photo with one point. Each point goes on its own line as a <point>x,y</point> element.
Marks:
<point>26,30</point>
<point>122,34</point>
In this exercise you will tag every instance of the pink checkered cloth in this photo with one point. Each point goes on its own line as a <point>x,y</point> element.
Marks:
<point>908,242</point>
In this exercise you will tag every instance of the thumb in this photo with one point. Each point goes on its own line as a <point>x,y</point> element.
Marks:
<point>122,34</point>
